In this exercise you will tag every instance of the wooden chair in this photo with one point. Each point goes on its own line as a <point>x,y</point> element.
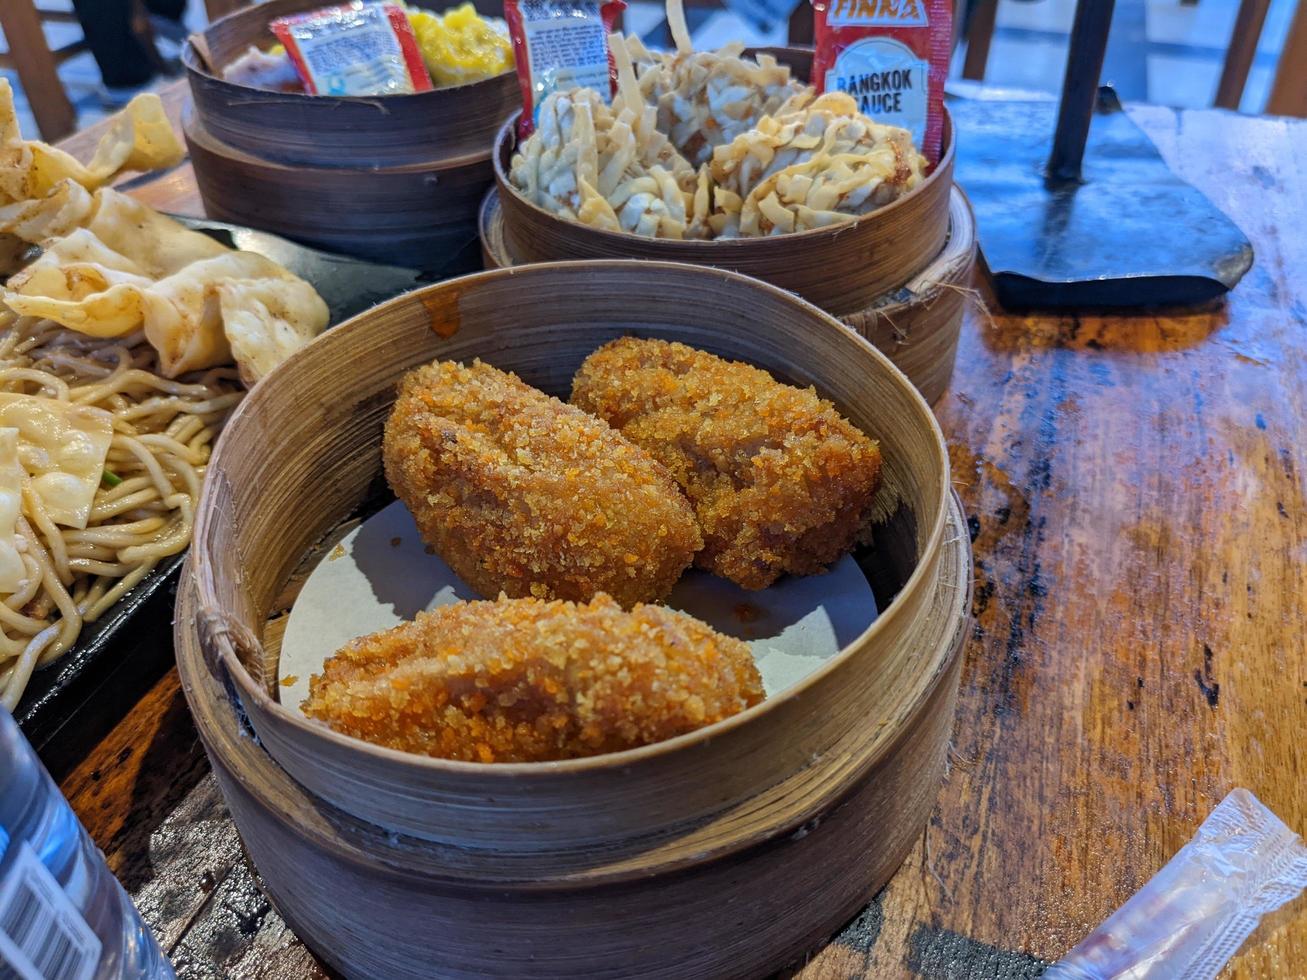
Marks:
<point>1288,92</point>
<point>37,65</point>
<point>1289,89</point>
<point>979,27</point>
<point>29,54</point>
<point>221,8</point>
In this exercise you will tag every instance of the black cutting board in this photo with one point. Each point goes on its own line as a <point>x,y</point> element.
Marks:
<point>70,705</point>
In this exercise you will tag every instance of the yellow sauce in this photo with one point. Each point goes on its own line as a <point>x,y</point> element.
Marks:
<point>460,46</point>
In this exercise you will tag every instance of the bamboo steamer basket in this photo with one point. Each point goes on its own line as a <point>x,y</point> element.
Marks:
<point>329,131</point>
<point>721,853</point>
<point>916,325</point>
<point>419,215</point>
<point>842,268</point>
<point>394,179</point>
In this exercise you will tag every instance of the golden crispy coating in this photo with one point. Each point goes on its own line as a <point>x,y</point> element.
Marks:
<point>524,494</point>
<point>780,482</point>
<point>522,680</point>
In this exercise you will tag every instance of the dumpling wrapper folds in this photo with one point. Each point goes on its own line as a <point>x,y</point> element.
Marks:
<point>112,265</point>
<point>265,321</point>
<point>62,447</point>
<point>140,138</point>
<point>13,572</point>
<point>131,267</point>
<point>68,205</point>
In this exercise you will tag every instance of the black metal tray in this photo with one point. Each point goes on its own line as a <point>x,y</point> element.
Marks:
<point>70,704</point>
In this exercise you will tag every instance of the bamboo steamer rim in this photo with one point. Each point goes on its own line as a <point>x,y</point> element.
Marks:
<point>223,630</point>
<point>195,61</point>
<point>945,279</point>
<point>616,240</point>
<point>193,128</point>
<point>959,243</point>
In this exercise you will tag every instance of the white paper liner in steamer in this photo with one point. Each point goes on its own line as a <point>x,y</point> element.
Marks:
<point>380,575</point>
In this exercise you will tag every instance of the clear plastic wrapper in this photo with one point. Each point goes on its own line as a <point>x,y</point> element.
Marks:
<point>272,70</point>
<point>354,49</point>
<point>561,45</point>
<point>1195,913</point>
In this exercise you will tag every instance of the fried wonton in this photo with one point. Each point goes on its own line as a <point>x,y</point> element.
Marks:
<point>141,138</point>
<point>712,144</point>
<point>607,166</point>
<point>131,267</point>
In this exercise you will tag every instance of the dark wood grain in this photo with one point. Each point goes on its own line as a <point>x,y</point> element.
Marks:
<point>980,32</point>
<point>30,56</point>
<point>1138,486</point>
<point>1289,90</point>
<point>1241,52</point>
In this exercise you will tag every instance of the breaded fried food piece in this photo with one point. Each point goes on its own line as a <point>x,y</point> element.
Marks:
<point>524,680</point>
<point>523,494</point>
<point>779,480</point>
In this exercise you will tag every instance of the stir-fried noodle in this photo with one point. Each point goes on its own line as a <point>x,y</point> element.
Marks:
<point>163,431</point>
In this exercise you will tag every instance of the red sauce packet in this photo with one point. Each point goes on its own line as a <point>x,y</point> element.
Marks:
<point>354,49</point>
<point>561,44</point>
<point>890,55</point>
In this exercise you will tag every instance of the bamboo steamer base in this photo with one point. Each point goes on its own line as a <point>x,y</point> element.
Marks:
<point>916,325</point>
<point>419,216</point>
<point>349,892</point>
<point>723,852</point>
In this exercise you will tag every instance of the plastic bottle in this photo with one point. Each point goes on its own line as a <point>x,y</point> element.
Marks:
<point>63,915</point>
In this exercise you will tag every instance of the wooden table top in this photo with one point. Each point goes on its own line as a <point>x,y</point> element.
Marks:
<point>1137,487</point>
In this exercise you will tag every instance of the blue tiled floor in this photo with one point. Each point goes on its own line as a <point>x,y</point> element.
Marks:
<point>1160,50</point>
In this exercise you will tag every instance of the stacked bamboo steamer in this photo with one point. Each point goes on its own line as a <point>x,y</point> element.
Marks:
<point>726,852</point>
<point>395,179</point>
<point>899,276</point>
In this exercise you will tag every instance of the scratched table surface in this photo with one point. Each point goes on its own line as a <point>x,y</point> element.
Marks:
<point>1137,487</point>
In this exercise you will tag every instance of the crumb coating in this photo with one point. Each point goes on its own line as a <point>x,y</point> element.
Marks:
<point>527,680</point>
<point>523,494</point>
<point>779,480</point>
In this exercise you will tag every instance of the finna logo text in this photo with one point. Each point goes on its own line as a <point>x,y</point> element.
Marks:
<point>887,12</point>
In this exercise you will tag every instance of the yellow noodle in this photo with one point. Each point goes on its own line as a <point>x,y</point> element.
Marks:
<point>18,621</point>
<point>11,647</point>
<point>148,461</point>
<point>164,431</point>
<point>114,534</point>
<point>129,486</point>
<point>170,446</point>
<point>102,510</point>
<point>25,665</point>
<point>54,386</point>
<point>54,540</point>
<point>93,595</point>
<point>31,586</point>
<point>85,550</point>
<point>125,584</point>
